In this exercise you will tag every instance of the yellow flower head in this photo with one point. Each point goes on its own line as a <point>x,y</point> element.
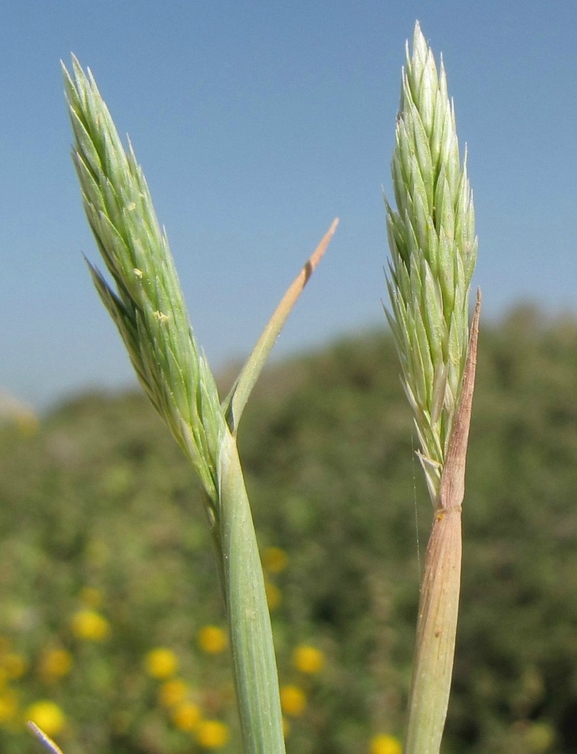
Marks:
<point>8,706</point>
<point>161,663</point>
<point>47,716</point>
<point>172,692</point>
<point>186,716</point>
<point>212,734</point>
<point>89,625</point>
<point>308,659</point>
<point>273,595</point>
<point>14,664</point>
<point>212,639</point>
<point>274,559</point>
<point>293,700</point>
<point>384,744</point>
<point>55,663</point>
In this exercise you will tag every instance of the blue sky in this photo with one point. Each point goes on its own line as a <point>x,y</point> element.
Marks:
<point>257,123</point>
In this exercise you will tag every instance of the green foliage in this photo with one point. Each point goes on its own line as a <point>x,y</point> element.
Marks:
<point>100,497</point>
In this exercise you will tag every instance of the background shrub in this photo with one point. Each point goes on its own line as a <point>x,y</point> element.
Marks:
<point>105,558</point>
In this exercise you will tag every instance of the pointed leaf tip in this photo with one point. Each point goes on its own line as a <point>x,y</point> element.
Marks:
<point>235,402</point>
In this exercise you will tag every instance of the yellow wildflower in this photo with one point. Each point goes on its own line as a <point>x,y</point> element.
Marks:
<point>274,559</point>
<point>212,639</point>
<point>161,663</point>
<point>293,700</point>
<point>385,744</point>
<point>55,663</point>
<point>14,664</point>
<point>172,692</point>
<point>89,625</point>
<point>212,734</point>
<point>308,659</point>
<point>47,716</point>
<point>186,716</point>
<point>8,706</point>
<point>273,595</point>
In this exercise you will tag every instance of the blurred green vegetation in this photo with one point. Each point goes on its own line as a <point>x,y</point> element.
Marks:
<point>105,557</point>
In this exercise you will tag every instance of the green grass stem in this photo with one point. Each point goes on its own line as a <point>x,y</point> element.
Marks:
<point>248,616</point>
<point>433,249</point>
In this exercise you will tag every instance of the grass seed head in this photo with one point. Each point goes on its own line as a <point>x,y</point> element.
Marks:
<point>433,250</point>
<point>146,301</point>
